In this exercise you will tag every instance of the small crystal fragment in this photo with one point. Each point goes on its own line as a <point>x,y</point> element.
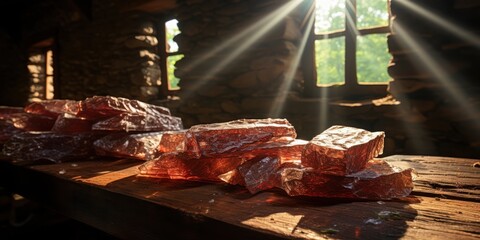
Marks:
<point>54,107</point>
<point>378,181</point>
<point>28,122</point>
<point>99,107</point>
<point>67,123</point>
<point>138,122</point>
<point>233,136</point>
<point>373,221</point>
<point>260,175</point>
<point>172,166</point>
<point>144,146</point>
<point>342,150</point>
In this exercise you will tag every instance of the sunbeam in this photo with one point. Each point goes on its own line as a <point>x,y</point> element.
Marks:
<point>414,130</point>
<point>241,41</point>
<point>275,111</point>
<point>350,21</point>
<point>436,66</point>
<point>324,109</point>
<point>449,26</point>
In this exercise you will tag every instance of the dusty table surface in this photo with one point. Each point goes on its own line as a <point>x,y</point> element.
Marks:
<point>445,204</point>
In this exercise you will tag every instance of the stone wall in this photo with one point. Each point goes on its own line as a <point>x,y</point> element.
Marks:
<point>436,71</point>
<point>101,48</point>
<point>14,77</point>
<point>112,53</point>
<point>234,51</point>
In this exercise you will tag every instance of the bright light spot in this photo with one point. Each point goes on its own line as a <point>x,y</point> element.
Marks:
<point>172,30</point>
<point>327,14</point>
<point>287,221</point>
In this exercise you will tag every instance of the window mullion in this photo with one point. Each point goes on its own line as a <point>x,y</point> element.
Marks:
<point>162,37</point>
<point>374,30</point>
<point>329,35</point>
<point>350,43</point>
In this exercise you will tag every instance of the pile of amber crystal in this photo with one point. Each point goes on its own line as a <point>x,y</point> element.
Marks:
<point>61,130</point>
<point>262,154</point>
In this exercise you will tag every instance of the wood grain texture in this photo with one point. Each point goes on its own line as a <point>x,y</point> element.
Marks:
<point>444,204</point>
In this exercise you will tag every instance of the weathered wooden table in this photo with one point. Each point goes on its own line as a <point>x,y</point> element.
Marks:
<point>445,204</point>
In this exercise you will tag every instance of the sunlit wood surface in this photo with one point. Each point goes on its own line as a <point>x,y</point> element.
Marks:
<point>108,195</point>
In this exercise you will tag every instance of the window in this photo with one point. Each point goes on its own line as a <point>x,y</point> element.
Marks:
<point>41,69</point>
<point>169,55</point>
<point>350,47</point>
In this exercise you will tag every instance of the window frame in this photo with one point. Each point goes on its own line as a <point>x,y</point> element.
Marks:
<point>43,47</point>
<point>351,89</point>
<point>164,54</point>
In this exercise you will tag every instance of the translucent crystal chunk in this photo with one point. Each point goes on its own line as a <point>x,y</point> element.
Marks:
<point>218,138</point>
<point>378,181</point>
<point>342,150</point>
<point>107,106</point>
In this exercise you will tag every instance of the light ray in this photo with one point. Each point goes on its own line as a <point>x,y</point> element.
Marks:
<point>324,108</point>
<point>456,30</point>
<point>350,21</point>
<point>436,66</point>
<point>275,111</point>
<point>414,131</point>
<point>241,41</point>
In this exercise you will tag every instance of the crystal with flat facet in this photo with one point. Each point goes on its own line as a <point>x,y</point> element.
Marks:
<point>219,138</point>
<point>173,166</point>
<point>28,122</point>
<point>378,181</point>
<point>54,107</point>
<point>129,122</point>
<point>67,123</point>
<point>342,150</point>
<point>100,107</point>
<point>143,146</point>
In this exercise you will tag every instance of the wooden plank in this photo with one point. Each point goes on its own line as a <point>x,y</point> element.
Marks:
<point>109,185</point>
<point>442,177</point>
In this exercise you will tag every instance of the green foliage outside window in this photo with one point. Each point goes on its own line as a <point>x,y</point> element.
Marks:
<point>372,54</point>
<point>172,79</point>
<point>172,47</point>
<point>330,61</point>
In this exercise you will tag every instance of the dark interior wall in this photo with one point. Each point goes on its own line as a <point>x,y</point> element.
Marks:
<point>100,49</point>
<point>103,49</point>
<point>110,53</point>
<point>436,51</point>
<point>14,77</point>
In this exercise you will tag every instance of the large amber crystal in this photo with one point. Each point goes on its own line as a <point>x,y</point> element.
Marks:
<point>342,150</point>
